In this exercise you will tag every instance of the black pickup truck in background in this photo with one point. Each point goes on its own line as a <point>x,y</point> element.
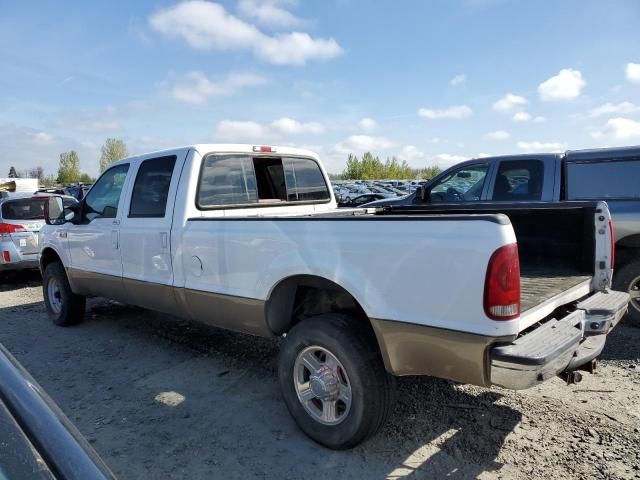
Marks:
<point>609,174</point>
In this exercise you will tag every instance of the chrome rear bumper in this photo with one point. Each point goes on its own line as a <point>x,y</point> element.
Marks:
<point>558,345</point>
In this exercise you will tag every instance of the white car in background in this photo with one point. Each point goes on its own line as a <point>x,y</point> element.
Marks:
<point>21,218</point>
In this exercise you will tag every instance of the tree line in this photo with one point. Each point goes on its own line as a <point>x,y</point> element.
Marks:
<point>69,166</point>
<point>369,167</point>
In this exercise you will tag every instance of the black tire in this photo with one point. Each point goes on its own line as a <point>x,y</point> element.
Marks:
<point>71,306</point>
<point>372,387</point>
<point>627,279</point>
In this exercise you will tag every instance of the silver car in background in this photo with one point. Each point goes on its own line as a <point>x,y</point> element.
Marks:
<point>21,218</point>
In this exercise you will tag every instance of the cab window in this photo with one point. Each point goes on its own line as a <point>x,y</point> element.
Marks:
<point>519,180</point>
<point>462,185</point>
<point>151,189</point>
<point>102,200</point>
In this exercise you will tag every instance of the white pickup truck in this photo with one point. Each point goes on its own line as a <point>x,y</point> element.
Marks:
<point>249,238</point>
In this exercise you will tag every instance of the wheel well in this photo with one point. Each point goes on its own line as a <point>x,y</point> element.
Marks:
<point>48,256</point>
<point>303,296</point>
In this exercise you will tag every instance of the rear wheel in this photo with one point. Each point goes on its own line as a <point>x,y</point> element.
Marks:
<point>64,307</point>
<point>333,381</point>
<point>627,279</point>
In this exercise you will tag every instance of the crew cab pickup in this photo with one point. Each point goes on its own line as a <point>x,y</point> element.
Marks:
<point>604,174</point>
<point>249,238</point>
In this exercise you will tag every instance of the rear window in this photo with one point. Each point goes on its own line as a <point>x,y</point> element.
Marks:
<point>243,180</point>
<point>606,179</point>
<point>24,209</point>
<point>27,208</point>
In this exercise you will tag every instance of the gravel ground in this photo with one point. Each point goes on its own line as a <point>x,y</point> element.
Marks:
<point>161,398</point>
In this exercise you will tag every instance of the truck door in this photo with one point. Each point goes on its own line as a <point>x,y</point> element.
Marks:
<point>146,234</point>
<point>94,244</point>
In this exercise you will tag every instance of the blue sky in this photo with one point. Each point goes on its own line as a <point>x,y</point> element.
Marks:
<point>432,82</point>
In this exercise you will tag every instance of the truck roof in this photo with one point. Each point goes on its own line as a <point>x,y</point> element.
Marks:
<point>204,148</point>
<point>600,153</point>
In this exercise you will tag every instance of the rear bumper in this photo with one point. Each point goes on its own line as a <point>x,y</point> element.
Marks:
<point>17,260</point>
<point>558,345</point>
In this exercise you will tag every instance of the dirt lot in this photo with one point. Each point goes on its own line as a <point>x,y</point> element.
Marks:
<point>226,418</point>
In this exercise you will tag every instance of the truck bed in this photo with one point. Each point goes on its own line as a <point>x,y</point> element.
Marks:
<point>538,285</point>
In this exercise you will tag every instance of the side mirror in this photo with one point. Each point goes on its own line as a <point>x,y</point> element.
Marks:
<point>421,194</point>
<point>55,212</point>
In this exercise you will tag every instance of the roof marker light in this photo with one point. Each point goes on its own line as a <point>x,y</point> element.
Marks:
<point>263,149</point>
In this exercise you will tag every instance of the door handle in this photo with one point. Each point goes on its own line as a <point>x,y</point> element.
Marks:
<point>115,237</point>
<point>163,240</point>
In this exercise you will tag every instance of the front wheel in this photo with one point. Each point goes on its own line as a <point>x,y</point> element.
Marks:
<point>333,381</point>
<point>64,307</point>
<point>627,279</point>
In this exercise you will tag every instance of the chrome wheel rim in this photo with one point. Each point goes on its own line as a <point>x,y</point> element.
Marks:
<point>54,295</point>
<point>322,385</point>
<point>634,292</point>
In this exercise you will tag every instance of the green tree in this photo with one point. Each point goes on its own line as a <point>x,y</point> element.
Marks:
<point>13,173</point>
<point>69,169</point>
<point>86,178</point>
<point>36,172</point>
<point>113,150</point>
<point>48,181</point>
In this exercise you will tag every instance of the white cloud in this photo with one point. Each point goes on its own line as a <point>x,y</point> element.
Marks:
<point>521,117</point>
<point>269,13</point>
<point>446,160</point>
<point>614,109</point>
<point>455,112</point>
<point>509,103</point>
<point>458,80</point>
<point>249,131</point>
<point>208,26</point>
<point>619,129</point>
<point>289,126</point>
<point>498,135</point>
<point>230,130</point>
<point>539,119</point>
<point>411,154</point>
<point>539,147</point>
<point>196,88</point>
<point>633,72</point>
<point>566,85</point>
<point>42,138</point>
<point>363,143</point>
<point>367,124</point>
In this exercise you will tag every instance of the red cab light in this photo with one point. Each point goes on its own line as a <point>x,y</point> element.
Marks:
<point>502,284</point>
<point>7,228</point>
<point>263,149</point>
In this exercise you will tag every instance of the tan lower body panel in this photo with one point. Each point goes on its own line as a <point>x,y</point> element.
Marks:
<point>241,314</point>
<point>245,315</point>
<point>409,349</point>
<point>87,283</point>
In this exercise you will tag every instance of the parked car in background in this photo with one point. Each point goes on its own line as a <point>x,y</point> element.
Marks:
<point>249,238</point>
<point>21,218</point>
<point>609,174</point>
<point>360,200</point>
<point>37,440</point>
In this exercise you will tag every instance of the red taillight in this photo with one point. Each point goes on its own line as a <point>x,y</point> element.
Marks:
<point>613,244</point>
<point>263,149</point>
<point>502,284</point>
<point>7,228</point>
<point>6,256</point>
